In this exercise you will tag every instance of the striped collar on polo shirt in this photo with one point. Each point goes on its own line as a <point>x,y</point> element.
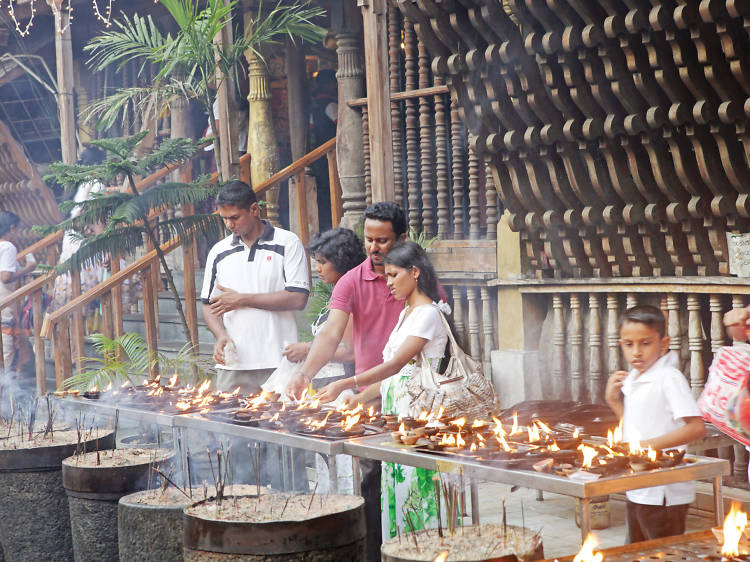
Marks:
<point>265,236</point>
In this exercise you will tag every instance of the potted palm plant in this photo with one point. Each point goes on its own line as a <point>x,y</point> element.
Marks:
<point>192,63</point>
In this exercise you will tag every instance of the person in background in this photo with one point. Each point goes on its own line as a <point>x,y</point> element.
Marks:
<point>10,272</point>
<point>658,409</point>
<point>420,330</point>
<point>255,279</point>
<point>323,120</point>
<point>335,252</point>
<point>362,293</point>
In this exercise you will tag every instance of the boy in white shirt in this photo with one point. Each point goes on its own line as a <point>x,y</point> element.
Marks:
<point>657,407</point>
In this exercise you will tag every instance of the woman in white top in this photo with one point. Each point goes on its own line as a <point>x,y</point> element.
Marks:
<point>410,276</point>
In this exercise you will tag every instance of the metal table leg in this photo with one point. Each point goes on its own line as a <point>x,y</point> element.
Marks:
<point>474,493</point>
<point>585,519</point>
<point>356,477</point>
<point>333,474</point>
<point>718,502</point>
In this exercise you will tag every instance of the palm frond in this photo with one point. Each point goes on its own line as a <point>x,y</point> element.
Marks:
<point>133,39</point>
<point>209,226</point>
<point>295,21</point>
<point>124,240</point>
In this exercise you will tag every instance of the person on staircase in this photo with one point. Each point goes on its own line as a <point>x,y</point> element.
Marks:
<point>255,279</point>
<point>10,272</point>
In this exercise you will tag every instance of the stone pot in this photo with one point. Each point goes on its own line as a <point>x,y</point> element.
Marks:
<point>148,531</point>
<point>328,538</point>
<point>34,521</point>
<point>93,494</point>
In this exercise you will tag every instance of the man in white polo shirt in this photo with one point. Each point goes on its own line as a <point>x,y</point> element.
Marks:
<point>254,280</point>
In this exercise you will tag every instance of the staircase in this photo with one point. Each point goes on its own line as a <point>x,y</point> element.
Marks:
<point>171,335</point>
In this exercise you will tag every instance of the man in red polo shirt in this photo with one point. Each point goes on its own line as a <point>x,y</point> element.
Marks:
<point>362,292</point>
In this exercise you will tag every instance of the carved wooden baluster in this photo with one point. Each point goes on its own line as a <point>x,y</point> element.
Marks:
<point>739,468</point>
<point>630,300</point>
<point>366,152</point>
<point>558,340</point>
<point>695,344</point>
<point>673,323</point>
<point>595,350</point>
<point>441,164</point>
<point>474,202</point>
<point>411,125</point>
<point>458,311</point>
<point>426,144</point>
<point>717,326</point>
<point>575,340</point>
<point>492,202</point>
<point>472,296</point>
<point>458,152</point>
<point>738,301</point>
<point>488,331</point>
<point>394,72</point>
<point>613,334</point>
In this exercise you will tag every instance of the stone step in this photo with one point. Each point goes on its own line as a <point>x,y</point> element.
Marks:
<point>179,280</point>
<point>167,304</point>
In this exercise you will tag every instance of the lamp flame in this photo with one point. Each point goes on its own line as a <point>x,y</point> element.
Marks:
<point>589,454</point>
<point>734,523</point>
<point>533,433</point>
<point>587,554</point>
<point>498,429</point>
<point>651,454</point>
<point>514,429</point>
<point>350,422</point>
<point>442,557</point>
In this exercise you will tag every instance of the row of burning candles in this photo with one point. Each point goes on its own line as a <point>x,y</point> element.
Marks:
<point>735,525</point>
<point>448,434</point>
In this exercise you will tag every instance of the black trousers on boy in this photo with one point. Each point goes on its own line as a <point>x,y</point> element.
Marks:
<point>647,522</point>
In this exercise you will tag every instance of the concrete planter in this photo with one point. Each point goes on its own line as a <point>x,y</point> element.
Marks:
<point>34,521</point>
<point>93,494</point>
<point>327,538</point>
<point>150,531</point>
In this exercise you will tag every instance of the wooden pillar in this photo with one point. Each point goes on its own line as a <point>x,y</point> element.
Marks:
<point>378,98</point>
<point>261,136</point>
<point>558,341</point>
<point>575,340</point>
<point>613,334</point>
<point>350,156</point>
<point>298,96</point>
<point>695,345</point>
<point>64,62</point>
<point>227,133</point>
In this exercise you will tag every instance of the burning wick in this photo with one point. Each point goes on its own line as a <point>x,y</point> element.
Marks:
<point>587,554</point>
<point>442,557</point>
<point>589,454</point>
<point>734,524</point>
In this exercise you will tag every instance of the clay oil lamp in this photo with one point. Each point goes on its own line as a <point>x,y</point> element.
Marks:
<point>374,419</point>
<point>245,417</point>
<point>349,427</point>
<point>399,433</point>
<point>92,394</point>
<point>640,461</point>
<point>268,421</point>
<point>672,457</point>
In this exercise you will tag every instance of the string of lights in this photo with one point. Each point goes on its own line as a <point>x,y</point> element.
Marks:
<point>24,30</point>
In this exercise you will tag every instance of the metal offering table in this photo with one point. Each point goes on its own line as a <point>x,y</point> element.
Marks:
<point>381,447</point>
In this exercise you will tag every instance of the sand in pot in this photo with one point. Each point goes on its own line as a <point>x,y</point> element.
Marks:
<point>486,543</point>
<point>94,483</point>
<point>34,521</point>
<point>276,527</point>
<point>149,523</point>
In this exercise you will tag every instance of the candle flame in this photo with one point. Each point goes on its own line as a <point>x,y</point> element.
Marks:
<point>473,447</point>
<point>478,423</point>
<point>589,454</point>
<point>442,556</point>
<point>447,439</point>
<point>371,411</point>
<point>402,429</point>
<point>172,381</point>
<point>350,422</point>
<point>440,413</point>
<point>459,423</point>
<point>587,554</point>
<point>543,426</point>
<point>460,443</point>
<point>554,446</point>
<point>576,433</point>
<point>734,524</point>
<point>651,454</point>
<point>498,429</point>
<point>423,415</point>
<point>514,429</point>
<point>504,444</point>
<point>533,433</point>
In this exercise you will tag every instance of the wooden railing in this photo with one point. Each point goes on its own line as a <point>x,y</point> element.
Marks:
<point>57,325</point>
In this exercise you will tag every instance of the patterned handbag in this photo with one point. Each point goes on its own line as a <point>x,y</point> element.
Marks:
<point>463,391</point>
